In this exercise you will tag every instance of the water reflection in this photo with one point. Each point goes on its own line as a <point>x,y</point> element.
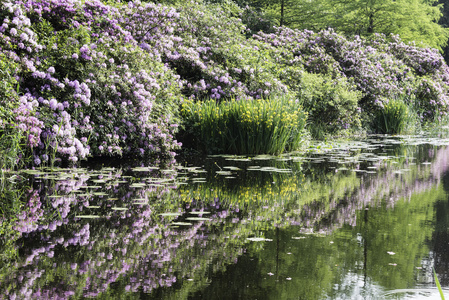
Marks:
<point>366,219</point>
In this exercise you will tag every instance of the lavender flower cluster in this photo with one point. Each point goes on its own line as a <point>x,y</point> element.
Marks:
<point>382,68</point>
<point>87,86</point>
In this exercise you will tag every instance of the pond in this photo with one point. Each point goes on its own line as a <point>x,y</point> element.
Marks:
<point>358,220</point>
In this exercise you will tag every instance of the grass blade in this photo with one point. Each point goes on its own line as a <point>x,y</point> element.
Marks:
<point>437,282</point>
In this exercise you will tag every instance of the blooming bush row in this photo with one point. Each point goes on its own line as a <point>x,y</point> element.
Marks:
<point>381,68</point>
<point>97,79</point>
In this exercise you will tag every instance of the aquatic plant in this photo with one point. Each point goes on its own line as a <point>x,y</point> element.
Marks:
<point>391,118</point>
<point>269,126</point>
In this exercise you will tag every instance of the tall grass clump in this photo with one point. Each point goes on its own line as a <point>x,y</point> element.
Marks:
<point>395,117</point>
<point>269,126</point>
<point>12,136</point>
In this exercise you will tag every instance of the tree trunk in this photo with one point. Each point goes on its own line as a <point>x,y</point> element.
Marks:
<point>281,23</point>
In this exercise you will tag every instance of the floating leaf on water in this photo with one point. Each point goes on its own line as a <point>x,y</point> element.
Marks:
<point>170,214</point>
<point>144,169</point>
<point>33,172</point>
<point>138,185</point>
<point>181,224</point>
<point>232,168</point>
<point>268,169</point>
<point>87,217</point>
<point>100,194</point>
<point>283,171</point>
<point>119,208</point>
<point>197,219</point>
<point>263,157</point>
<point>259,239</point>
<point>159,180</point>
<point>239,159</point>
<point>224,173</point>
<point>199,171</point>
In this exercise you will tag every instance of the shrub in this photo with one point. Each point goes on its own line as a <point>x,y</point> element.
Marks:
<point>382,68</point>
<point>269,126</point>
<point>332,104</point>
<point>86,86</point>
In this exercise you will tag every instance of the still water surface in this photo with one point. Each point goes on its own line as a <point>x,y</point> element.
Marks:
<point>361,220</point>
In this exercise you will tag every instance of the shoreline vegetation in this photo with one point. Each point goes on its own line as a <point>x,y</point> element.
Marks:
<point>95,79</point>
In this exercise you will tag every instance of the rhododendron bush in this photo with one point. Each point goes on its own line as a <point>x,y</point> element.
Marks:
<point>86,87</point>
<point>106,79</point>
<point>381,68</point>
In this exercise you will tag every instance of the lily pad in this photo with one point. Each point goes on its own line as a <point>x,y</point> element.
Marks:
<point>170,214</point>
<point>181,224</point>
<point>259,239</point>
<point>197,219</point>
<point>87,217</point>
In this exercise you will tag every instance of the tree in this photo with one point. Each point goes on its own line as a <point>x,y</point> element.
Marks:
<point>413,20</point>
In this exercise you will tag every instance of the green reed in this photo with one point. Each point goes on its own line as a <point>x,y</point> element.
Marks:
<point>437,282</point>
<point>393,118</point>
<point>268,126</point>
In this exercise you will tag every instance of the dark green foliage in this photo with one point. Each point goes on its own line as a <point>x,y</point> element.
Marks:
<point>332,103</point>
